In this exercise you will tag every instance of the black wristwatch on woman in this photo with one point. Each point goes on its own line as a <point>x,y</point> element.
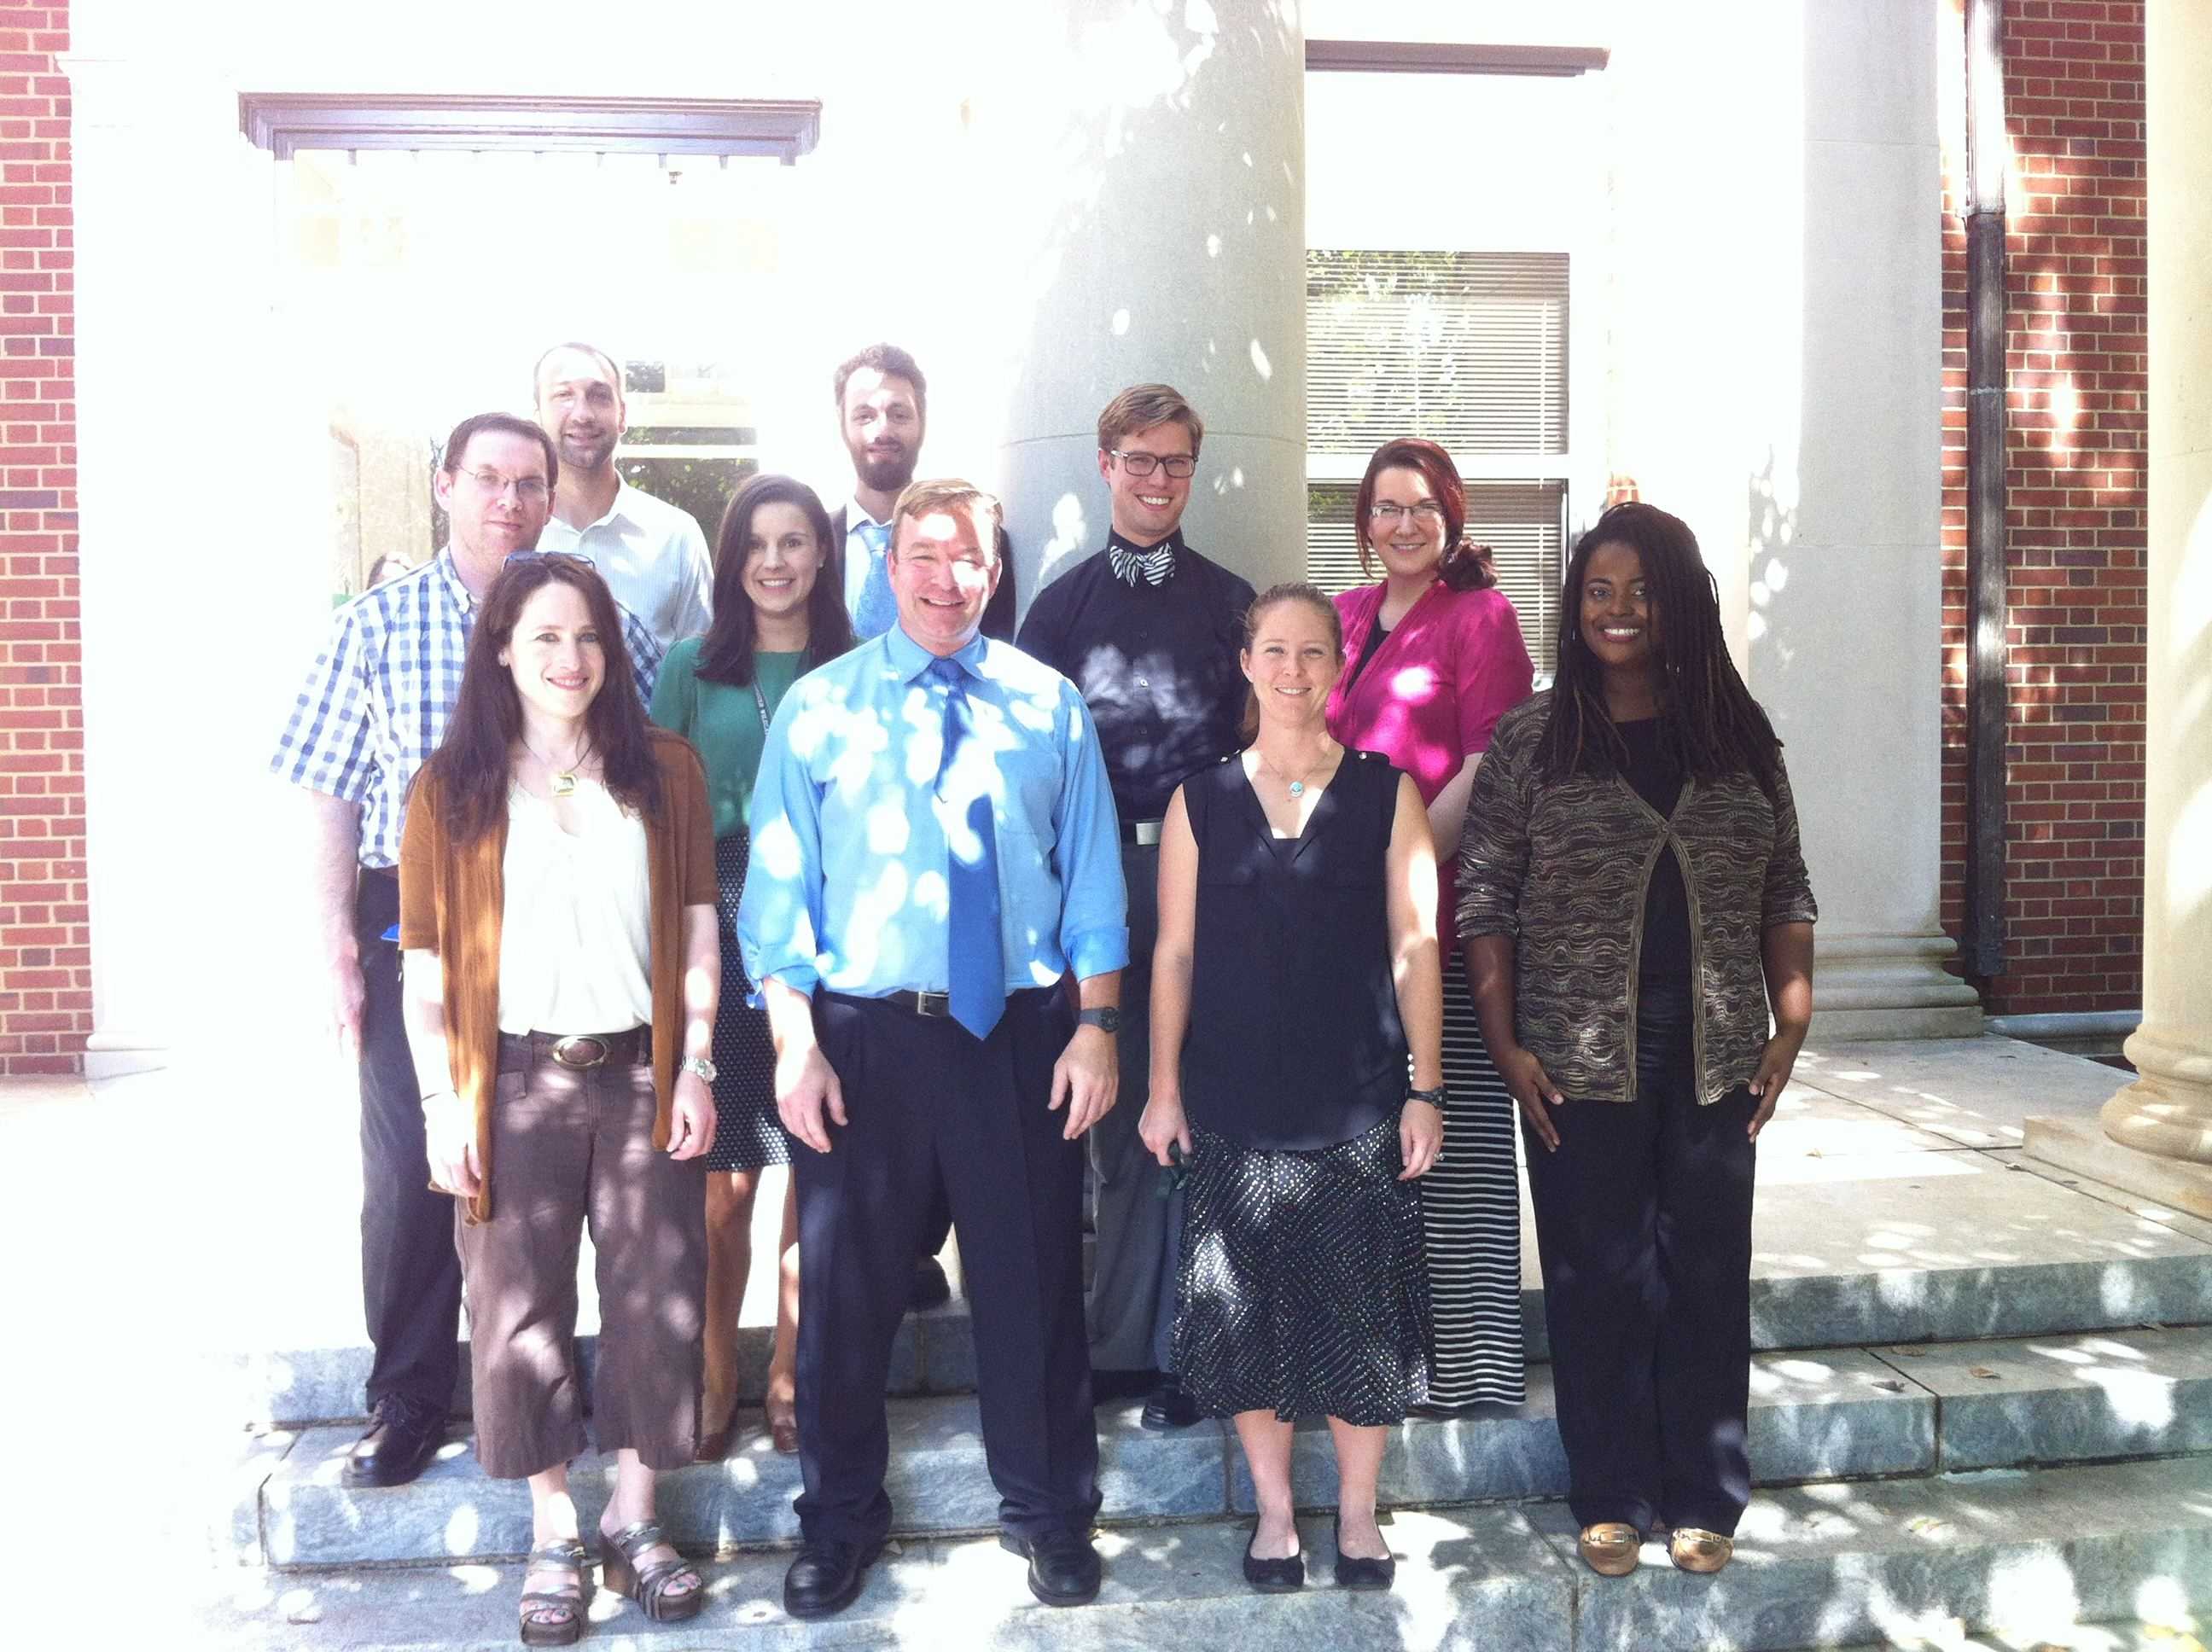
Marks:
<point>1434,1097</point>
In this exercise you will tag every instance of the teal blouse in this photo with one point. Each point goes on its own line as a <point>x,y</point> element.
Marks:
<point>723,721</point>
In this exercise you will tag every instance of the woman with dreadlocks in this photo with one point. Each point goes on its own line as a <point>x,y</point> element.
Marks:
<point>1633,900</point>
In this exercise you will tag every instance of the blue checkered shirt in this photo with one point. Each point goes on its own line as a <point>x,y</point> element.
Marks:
<point>376,703</point>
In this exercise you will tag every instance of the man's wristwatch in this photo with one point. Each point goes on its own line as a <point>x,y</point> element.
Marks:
<point>1433,1098</point>
<point>698,1064</point>
<point>1107,1020</point>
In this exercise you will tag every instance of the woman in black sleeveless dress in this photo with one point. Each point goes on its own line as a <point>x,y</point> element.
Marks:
<point>1296,966</point>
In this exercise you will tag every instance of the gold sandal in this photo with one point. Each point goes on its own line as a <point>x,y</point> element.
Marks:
<point>1611,1548</point>
<point>1694,1550</point>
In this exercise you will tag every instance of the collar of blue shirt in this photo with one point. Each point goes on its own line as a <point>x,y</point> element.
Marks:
<point>910,659</point>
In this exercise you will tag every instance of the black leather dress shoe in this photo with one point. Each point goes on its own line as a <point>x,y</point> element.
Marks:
<point>1063,1569</point>
<point>399,1443</point>
<point>825,1577</point>
<point>1168,1406</point>
<point>931,1288</point>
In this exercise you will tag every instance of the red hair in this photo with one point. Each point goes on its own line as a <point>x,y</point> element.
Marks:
<point>1465,566</point>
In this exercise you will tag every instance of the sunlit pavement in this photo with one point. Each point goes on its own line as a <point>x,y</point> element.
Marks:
<point>164,1226</point>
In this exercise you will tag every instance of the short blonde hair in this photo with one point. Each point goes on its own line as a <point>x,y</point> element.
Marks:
<point>981,509</point>
<point>1142,406</point>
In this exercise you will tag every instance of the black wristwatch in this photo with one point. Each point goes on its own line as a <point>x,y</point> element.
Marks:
<point>1107,1020</point>
<point>1433,1098</point>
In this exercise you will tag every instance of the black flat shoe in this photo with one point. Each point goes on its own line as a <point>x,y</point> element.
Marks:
<point>1352,1573</point>
<point>399,1443</point>
<point>1063,1569</point>
<point>825,1577</point>
<point>1168,1408</point>
<point>1282,1576</point>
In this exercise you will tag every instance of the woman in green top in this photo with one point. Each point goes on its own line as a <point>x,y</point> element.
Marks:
<point>778,611</point>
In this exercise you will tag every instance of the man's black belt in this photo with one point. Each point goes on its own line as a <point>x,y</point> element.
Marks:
<point>935,1005</point>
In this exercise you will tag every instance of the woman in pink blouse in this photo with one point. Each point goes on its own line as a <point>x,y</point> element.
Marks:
<point>1436,658</point>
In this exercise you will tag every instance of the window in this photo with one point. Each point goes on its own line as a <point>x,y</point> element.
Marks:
<point>1468,349</point>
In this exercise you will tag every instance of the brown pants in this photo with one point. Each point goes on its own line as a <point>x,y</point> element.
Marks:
<point>570,1146</point>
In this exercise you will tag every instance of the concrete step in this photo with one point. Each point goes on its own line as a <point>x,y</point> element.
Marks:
<point>1919,1562</point>
<point>1842,1414</point>
<point>1849,1249</point>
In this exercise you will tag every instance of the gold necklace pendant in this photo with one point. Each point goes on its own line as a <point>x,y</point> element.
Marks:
<point>564,783</point>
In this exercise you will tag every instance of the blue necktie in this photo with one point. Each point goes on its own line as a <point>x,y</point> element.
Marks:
<point>878,610</point>
<point>977,968</point>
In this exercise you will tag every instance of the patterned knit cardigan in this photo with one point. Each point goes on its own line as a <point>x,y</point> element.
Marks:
<point>1562,866</point>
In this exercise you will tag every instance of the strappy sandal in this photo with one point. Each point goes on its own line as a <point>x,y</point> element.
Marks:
<point>649,1583</point>
<point>563,1554</point>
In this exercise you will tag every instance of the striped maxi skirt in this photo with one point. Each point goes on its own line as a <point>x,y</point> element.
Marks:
<point>1471,1221</point>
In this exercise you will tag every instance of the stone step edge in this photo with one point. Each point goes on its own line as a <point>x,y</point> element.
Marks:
<point>1124,1525</point>
<point>1863,1418</point>
<point>934,1355</point>
<point>1811,1571</point>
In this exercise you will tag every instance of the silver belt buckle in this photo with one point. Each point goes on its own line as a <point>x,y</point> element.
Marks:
<point>1146,833</point>
<point>568,1051</point>
<point>932,1004</point>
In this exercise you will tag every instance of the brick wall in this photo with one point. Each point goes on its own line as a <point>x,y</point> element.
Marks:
<point>2076,414</point>
<point>45,973</point>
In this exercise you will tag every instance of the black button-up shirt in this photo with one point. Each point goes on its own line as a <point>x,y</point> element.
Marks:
<point>1156,663</point>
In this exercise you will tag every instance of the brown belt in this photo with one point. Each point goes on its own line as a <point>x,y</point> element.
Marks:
<point>581,1050</point>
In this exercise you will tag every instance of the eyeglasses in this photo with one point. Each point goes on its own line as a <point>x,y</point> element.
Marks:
<point>558,558</point>
<point>529,489</point>
<point>1428,513</point>
<point>1178,465</point>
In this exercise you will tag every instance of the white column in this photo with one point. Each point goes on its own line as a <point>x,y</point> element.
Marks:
<point>189,457</point>
<point>1848,660</point>
<point>2168,1110</point>
<point>2156,1135</point>
<point>1777,385</point>
<point>1149,162</point>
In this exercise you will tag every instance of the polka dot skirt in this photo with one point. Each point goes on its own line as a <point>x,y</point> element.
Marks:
<point>747,1133</point>
<point>1302,1291</point>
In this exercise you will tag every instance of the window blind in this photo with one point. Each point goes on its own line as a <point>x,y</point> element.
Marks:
<point>1522,522</point>
<point>1467,348</point>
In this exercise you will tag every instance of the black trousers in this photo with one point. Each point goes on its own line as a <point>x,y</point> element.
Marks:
<point>923,1098</point>
<point>411,1274</point>
<point>1643,1225</point>
<point>1140,1245</point>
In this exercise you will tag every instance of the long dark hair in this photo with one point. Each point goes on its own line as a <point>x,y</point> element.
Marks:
<point>1466,566</point>
<point>471,762</point>
<point>1706,716</point>
<point>725,654</point>
<point>1289,591</point>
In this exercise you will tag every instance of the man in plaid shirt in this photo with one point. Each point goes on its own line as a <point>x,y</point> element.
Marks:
<point>374,708</point>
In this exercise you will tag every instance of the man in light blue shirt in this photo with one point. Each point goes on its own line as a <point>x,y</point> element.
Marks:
<point>934,852</point>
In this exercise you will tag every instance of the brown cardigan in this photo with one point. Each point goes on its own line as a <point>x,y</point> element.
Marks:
<point>1562,867</point>
<point>452,900</point>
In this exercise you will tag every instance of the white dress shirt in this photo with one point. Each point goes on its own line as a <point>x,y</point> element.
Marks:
<point>653,556</point>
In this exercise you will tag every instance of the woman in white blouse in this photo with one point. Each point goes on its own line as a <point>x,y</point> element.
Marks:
<point>557,925</point>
